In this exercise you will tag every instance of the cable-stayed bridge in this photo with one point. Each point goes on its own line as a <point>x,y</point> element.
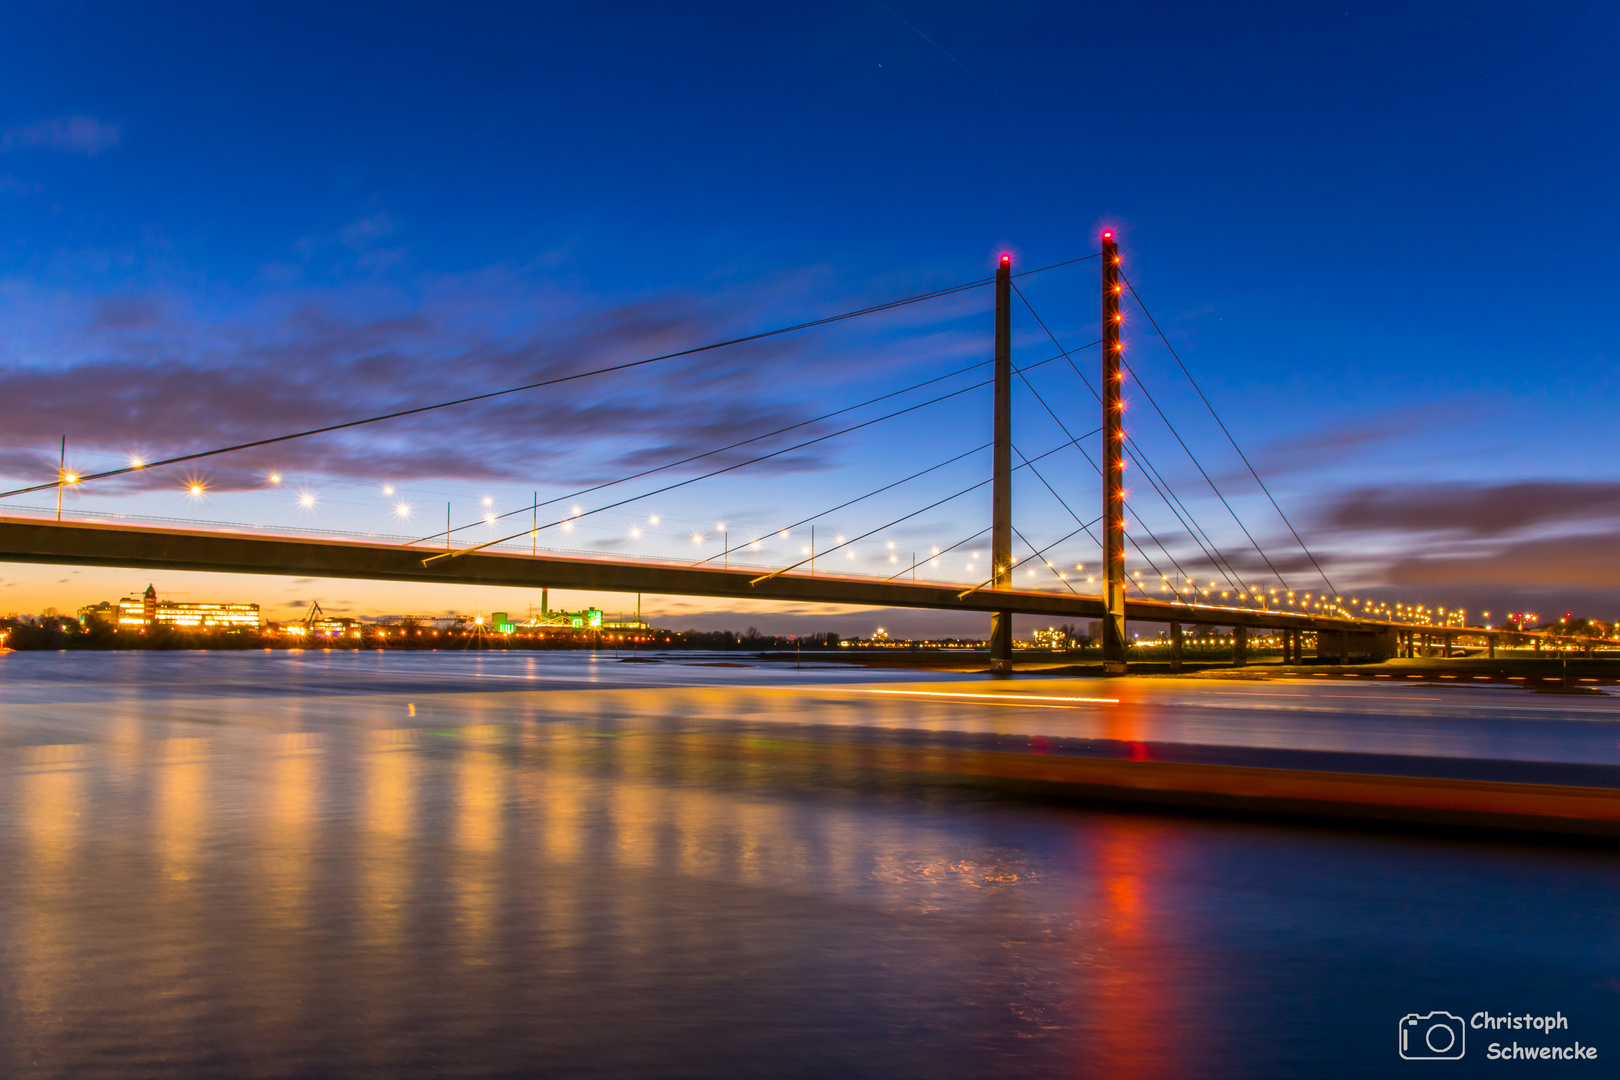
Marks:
<point>1195,578</point>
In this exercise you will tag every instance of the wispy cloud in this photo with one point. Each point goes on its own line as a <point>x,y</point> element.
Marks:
<point>1474,511</point>
<point>1575,566</point>
<point>142,376</point>
<point>74,134</point>
<point>1317,449</point>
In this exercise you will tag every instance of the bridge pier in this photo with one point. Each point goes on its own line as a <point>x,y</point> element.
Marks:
<point>1113,470</point>
<point>1001,473</point>
<point>1490,643</point>
<point>1240,646</point>
<point>1175,646</point>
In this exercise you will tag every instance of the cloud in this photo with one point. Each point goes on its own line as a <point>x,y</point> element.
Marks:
<point>75,134</point>
<point>1474,511</point>
<point>1579,564</point>
<point>145,376</point>
<point>367,230</point>
<point>1336,446</point>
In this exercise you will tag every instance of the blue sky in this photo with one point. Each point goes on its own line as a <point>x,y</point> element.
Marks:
<point>1380,236</point>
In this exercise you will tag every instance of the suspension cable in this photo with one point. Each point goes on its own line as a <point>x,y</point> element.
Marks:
<point>851,502</point>
<point>197,455</point>
<point>1228,434</point>
<point>708,453</point>
<point>718,450</point>
<point>1076,444</point>
<point>1039,554</point>
<point>707,475</point>
<point>942,551</point>
<point>1045,562</point>
<point>1145,556</point>
<point>891,524</point>
<point>1167,494</point>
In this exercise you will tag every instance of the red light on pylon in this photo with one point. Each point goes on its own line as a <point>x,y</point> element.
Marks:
<point>1006,258</point>
<point>1108,234</point>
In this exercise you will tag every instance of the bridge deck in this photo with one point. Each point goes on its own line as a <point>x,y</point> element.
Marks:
<point>32,540</point>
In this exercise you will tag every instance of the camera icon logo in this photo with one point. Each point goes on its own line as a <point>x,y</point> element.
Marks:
<point>1435,1036</point>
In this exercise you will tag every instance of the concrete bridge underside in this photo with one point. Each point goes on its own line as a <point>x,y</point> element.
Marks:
<point>30,540</point>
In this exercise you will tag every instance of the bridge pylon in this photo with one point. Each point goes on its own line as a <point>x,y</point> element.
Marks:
<point>1001,471</point>
<point>1113,478</point>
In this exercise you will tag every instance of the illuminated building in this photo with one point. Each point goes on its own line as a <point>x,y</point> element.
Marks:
<point>589,619</point>
<point>139,612</point>
<point>102,614</point>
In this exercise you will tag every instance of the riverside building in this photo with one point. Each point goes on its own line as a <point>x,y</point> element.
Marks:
<point>139,612</point>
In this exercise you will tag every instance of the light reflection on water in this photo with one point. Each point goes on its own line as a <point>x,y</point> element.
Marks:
<point>526,884</point>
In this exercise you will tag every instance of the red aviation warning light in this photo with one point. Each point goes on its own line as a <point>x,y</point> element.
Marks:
<point>1108,234</point>
<point>1006,258</point>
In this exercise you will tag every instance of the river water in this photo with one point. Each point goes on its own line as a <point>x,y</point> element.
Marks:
<point>442,864</point>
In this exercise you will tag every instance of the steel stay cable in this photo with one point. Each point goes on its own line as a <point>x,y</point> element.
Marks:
<point>1171,500</point>
<point>896,521</point>
<point>1055,495</point>
<point>1146,557</point>
<point>1073,441</point>
<point>1039,554</point>
<point>1300,540</point>
<point>1053,414</point>
<point>1207,479</point>
<point>1184,515</point>
<point>828,320</point>
<point>1048,565</point>
<point>942,551</point>
<point>1193,529</point>
<point>706,453</point>
<point>705,476</point>
<point>710,453</point>
<point>852,502</point>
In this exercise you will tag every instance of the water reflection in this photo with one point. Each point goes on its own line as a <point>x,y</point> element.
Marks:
<point>181,805</point>
<point>614,882</point>
<point>288,829</point>
<point>389,836</point>
<point>51,791</point>
<point>1134,982</point>
<point>481,780</point>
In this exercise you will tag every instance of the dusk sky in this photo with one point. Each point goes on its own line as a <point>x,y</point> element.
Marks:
<point>1381,237</point>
